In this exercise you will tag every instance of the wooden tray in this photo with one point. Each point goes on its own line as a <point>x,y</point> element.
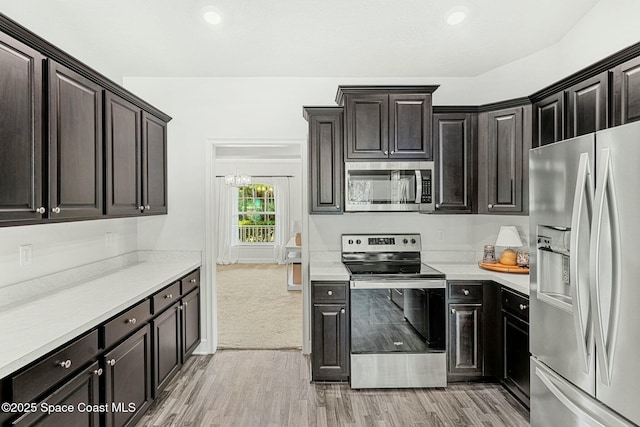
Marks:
<point>503,268</point>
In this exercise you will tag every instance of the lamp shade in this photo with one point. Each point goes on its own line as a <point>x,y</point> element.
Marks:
<point>508,236</point>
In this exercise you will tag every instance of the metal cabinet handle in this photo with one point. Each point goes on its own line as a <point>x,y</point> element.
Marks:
<point>393,152</point>
<point>490,206</point>
<point>98,372</point>
<point>192,281</point>
<point>147,207</point>
<point>342,311</point>
<point>329,293</point>
<point>111,362</point>
<point>56,210</point>
<point>141,208</point>
<point>131,321</point>
<point>41,210</point>
<point>168,296</point>
<point>465,291</point>
<point>386,152</point>
<point>453,311</point>
<point>186,303</point>
<point>66,364</point>
<point>523,306</point>
<point>337,206</point>
<point>437,206</point>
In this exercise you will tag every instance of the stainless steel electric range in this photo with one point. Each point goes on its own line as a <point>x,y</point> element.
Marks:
<point>397,313</point>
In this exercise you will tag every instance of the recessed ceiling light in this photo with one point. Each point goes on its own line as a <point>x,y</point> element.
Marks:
<point>211,15</point>
<point>456,16</point>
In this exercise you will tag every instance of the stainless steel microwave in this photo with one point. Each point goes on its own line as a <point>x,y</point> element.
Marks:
<point>389,186</point>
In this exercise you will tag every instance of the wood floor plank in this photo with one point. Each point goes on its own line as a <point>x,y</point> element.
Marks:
<point>248,388</point>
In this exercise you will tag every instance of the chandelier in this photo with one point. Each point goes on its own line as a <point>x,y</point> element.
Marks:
<point>237,180</point>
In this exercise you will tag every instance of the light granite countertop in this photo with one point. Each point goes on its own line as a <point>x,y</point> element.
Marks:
<point>335,271</point>
<point>32,328</point>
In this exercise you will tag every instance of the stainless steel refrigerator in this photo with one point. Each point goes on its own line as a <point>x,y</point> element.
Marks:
<point>585,280</point>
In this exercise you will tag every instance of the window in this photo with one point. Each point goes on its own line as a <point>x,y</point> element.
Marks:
<point>256,214</point>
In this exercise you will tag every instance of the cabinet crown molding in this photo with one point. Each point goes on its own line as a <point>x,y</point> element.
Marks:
<point>394,89</point>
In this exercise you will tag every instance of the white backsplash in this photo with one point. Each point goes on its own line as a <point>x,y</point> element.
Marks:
<point>445,238</point>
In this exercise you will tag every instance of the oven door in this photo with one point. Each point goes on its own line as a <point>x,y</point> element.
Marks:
<point>390,348</point>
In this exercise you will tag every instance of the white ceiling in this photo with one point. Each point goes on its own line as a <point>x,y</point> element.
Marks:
<point>305,38</point>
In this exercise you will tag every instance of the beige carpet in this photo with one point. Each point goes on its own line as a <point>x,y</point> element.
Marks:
<point>255,310</point>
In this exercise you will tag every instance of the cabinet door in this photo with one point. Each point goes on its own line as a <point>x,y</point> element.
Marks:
<point>626,92</point>
<point>191,331</point>
<point>504,162</point>
<point>587,106</point>
<point>410,127</point>
<point>325,162</point>
<point>454,162</point>
<point>154,166</point>
<point>367,126</point>
<point>128,379</point>
<point>123,152</point>
<point>330,342</point>
<point>20,131</point>
<point>548,120</point>
<point>465,339</point>
<point>80,392</point>
<point>75,145</point>
<point>167,339</point>
<point>516,356</point>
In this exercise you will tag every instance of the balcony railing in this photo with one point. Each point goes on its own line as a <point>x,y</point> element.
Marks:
<point>256,233</point>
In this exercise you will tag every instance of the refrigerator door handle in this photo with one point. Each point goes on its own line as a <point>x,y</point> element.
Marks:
<point>568,403</point>
<point>583,198</point>
<point>605,198</point>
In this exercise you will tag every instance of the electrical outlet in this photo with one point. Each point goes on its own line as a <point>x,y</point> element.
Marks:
<point>108,239</point>
<point>26,254</point>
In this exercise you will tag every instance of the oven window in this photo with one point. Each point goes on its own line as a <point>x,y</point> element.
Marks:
<point>382,321</point>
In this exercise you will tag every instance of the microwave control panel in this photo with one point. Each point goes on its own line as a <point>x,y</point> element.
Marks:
<point>426,187</point>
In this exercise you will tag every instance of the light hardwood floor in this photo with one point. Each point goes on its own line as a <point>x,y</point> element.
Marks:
<point>272,388</point>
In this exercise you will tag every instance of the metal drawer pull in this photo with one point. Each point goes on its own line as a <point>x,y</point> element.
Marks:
<point>98,372</point>
<point>140,208</point>
<point>131,321</point>
<point>55,210</point>
<point>465,291</point>
<point>65,364</point>
<point>147,207</point>
<point>192,281</point>
<point>490,206</point>
<point>41,210</point>
<point>186,303</point>
<point>329,293</point>
<point>168,296</point>
<point>342,311</point>
<point>453,311</point>
<point>523,306</point>
<point>111,362</point>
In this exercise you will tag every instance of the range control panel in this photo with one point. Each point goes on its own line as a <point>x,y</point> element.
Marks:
<point>381,243</point>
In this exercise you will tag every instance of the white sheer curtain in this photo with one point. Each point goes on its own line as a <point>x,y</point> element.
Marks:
<point>283,233</point>
<point>227,197</point>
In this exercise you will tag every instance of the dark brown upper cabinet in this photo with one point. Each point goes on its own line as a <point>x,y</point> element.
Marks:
<point>453,137</point>
<point>123,141</point>
<point>587,106</point>
<point>387,122</point>
<point>325,159</point>
<point>504,141</point>
<point>75,145</point>
<point>154,164</point>
<point>20,132</point>
<point>548,120</point>
<point>626,92</point>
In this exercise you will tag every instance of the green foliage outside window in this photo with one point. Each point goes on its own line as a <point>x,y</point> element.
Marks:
<point>256,214</point>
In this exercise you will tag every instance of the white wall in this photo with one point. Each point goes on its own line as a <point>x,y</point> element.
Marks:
<point>57,247</point>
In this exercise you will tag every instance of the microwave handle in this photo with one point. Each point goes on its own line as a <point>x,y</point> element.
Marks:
<point>418,186</point>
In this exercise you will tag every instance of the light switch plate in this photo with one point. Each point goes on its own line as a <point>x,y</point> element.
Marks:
<point>26,254</point>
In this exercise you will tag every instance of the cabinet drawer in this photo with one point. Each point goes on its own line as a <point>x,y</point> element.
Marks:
<point>468,291</point>
<point>126,323</point>
<point>30,383</point>
<point>516,304</point>
<point>166,297</point>
<point>190,281</point>
<point>329,291</point>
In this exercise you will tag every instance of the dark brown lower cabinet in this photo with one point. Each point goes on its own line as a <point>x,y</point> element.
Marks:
<point>166,347</point>
<point>81,394</point>
<point>191,331</point>
<point>128,379</point>
<point>330,359</point>
<point>515,344</point>
<point>465,340</point>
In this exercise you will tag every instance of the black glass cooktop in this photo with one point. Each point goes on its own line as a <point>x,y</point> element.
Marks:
<point>392,270</point>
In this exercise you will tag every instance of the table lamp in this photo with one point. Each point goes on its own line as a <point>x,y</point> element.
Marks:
<point>508,237</point>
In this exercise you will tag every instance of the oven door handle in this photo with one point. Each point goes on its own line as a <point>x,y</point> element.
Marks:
<point>400,284</point>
